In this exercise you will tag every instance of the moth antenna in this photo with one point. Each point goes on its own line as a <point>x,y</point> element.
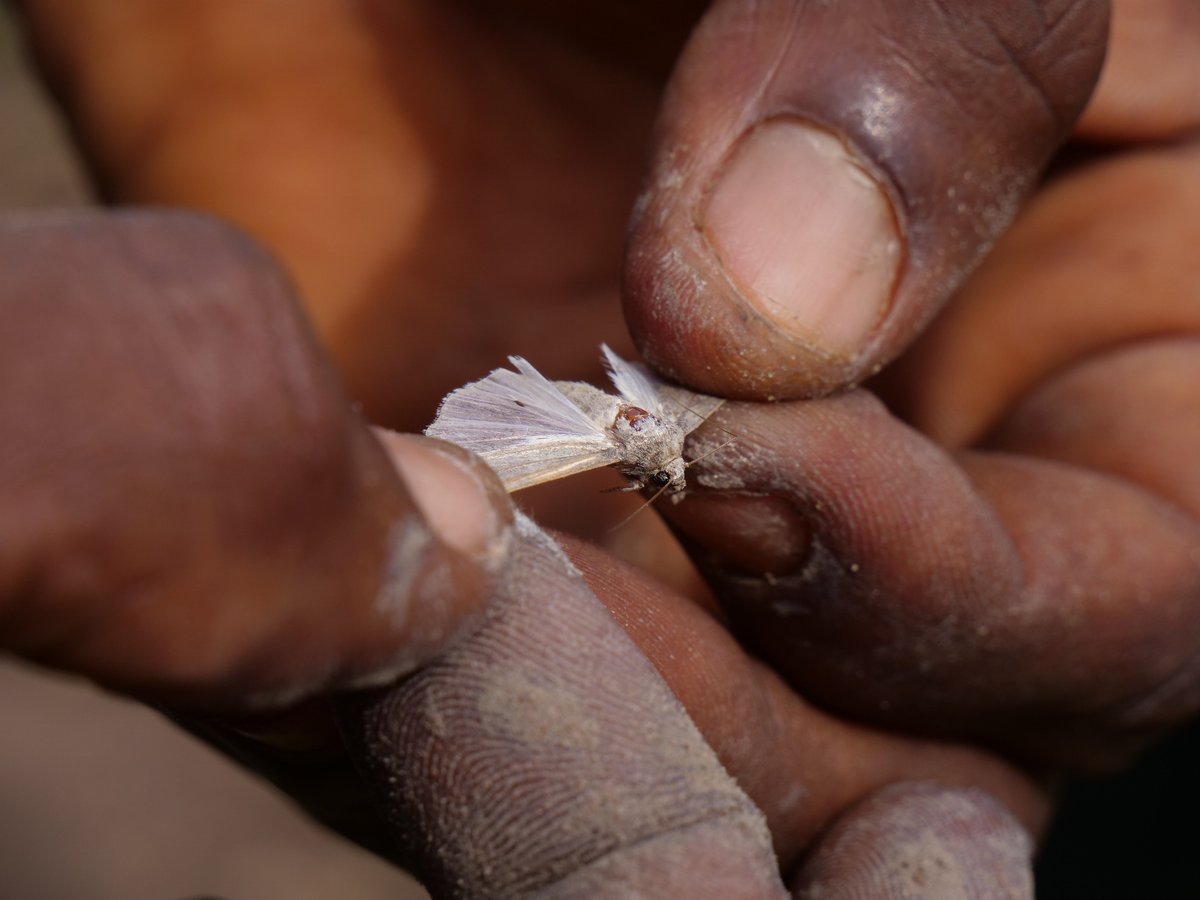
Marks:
<point>625,521</point>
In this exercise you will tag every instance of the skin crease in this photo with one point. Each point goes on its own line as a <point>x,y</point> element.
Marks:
<point>409,198</point>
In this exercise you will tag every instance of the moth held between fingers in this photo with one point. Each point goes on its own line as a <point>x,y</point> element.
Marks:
<point>530,429</point>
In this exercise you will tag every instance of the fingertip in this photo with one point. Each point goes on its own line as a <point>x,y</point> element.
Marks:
<point>744,532</point>
<point>447,538</point>
<point>922,839</point>
<point>461,499</point>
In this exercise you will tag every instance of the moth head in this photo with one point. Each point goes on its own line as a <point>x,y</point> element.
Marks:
<point>669,477</point>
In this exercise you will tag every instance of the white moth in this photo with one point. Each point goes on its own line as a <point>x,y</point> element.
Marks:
<point>531,429</point>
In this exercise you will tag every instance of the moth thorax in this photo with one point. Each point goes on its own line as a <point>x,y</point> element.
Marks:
<point>634,417</point>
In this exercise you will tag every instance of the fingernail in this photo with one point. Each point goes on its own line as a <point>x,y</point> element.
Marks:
<point>806,235</point>
<point>462,508</point>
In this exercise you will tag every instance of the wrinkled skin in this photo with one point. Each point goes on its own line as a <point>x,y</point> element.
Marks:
<point>988,553</point>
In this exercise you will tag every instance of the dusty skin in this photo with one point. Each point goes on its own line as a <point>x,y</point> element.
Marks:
<point>616,791</point>
<point>375,147</point>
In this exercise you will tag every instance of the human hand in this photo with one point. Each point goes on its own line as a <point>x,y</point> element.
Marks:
<point>194,517</point>
<point>1007,551</point>
<point>192,152</point>
<point>192,512</point>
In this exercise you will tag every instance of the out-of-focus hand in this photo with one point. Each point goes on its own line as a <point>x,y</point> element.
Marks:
<point>433,175</point>
<point>192,512</point>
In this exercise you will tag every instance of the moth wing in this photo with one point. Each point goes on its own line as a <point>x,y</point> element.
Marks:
<point>523,426</point>
<point>685,408</point>
<point>635,385</point>
<point>671,403</point>
<point>525,466</point>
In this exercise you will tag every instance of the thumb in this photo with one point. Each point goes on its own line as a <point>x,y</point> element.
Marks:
<point>825,174</point>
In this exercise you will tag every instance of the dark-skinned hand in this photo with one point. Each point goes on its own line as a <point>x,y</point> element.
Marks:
<point>1002,558</point>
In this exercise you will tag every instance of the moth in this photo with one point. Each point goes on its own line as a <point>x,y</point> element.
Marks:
<point>530,429</point>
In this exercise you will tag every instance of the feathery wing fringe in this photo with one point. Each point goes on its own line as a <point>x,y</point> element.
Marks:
<point>684,408</point>
<point>523,426</point>
<point>632,382</point>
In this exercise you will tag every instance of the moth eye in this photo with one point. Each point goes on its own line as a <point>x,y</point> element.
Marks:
<point>662,479</point>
